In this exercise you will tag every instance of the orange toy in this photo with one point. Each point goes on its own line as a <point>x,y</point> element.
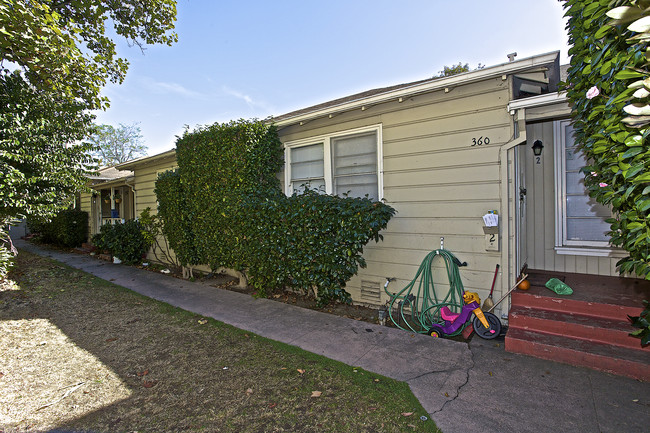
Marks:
<point>524,285</point>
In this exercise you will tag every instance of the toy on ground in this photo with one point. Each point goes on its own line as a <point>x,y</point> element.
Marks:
<point>486,325</point>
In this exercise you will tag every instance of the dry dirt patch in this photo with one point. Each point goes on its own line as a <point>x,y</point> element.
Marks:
<point>82,354</point>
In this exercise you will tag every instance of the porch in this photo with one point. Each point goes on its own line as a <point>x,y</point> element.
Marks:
<point>589,328</point>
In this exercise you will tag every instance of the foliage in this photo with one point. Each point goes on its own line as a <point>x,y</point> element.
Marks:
<point>7,252</point>
<point>69,228</point>
<point>126,241</point>
<point>608,87</point>
<point>39,170</point>
<point>152,230</point>
<point>643,323</point>
<point>448,71</point>
<point>224,207</point>
<point>60,58</point>
<point>310,240</point>
<point>63,48</point>
<point>117,145</point>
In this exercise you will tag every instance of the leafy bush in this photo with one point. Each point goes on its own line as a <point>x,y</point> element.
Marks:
<point>69,228</point>
<point>125,241</point>
<point>224,207</point>
<point>643,323</point>
<point>609,90</point>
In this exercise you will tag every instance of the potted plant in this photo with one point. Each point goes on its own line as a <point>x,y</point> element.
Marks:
<point>107,199</point>
<point>117,197</point>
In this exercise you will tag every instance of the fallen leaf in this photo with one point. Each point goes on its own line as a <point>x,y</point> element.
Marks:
<point>149,383</point>
<point>249,391</point>
<point>407,413</point>
<point>446,394</point>
<point>490,373</point>
<point>203,322</point>
<point>143,373</point>
<point>108,340</point>
<point>301,371</point>
<point>276,296</point>
<point>316,394</point>
<point>636,400</point>
<point>272,405</point>
<point>283,368</point>
<point>376,380</point>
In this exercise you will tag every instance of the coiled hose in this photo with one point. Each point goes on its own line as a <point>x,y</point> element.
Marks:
<point>423,303</point>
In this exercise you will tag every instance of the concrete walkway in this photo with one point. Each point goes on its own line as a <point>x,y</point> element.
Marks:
<point>475,388</point>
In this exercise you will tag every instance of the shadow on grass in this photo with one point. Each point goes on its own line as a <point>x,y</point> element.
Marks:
<point>133,363</point>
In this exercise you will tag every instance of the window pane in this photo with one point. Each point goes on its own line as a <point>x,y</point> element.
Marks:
<point>354,165</point>
<point>307,162</point>
<point>300,185</point>
<point>585,218</point>
<point>586,229</point>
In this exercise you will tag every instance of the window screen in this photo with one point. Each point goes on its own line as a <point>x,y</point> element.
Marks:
<point>354,165</point>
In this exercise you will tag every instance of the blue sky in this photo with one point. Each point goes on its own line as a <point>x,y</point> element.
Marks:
<point>252,58</point>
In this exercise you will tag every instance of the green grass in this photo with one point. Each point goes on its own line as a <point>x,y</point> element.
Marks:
<point>206,375</point>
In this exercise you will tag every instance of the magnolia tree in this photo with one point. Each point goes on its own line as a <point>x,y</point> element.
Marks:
<point>608,87</point>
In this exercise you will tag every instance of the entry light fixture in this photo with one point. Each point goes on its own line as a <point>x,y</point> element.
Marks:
<point>537,148</point>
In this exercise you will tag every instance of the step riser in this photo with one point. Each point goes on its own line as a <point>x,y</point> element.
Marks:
<point>615,312</point>
<point>620,367</point>
<point>603,335</point>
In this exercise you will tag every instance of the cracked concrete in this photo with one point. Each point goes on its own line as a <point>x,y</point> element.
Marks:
<point>477,387</point>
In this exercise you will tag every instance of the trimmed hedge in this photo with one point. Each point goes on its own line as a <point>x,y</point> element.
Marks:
<point>128,241</point>
<point>223,206</point>
<point>69,228</point>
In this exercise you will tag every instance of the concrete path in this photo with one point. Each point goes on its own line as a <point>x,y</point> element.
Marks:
<point>465,388</point>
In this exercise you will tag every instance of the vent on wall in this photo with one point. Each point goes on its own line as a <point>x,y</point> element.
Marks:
<point>371,291</point>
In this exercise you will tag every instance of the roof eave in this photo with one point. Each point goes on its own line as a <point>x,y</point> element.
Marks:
<point>464,78</point>
<point>129,165</point>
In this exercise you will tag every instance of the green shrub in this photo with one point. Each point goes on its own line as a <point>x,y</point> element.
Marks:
<point>125,241</point>
<point>69,228</point>
<point>608,87</point>
<point>224,207</point>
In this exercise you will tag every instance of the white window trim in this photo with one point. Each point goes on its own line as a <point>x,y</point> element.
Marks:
<point>326,139</point>
<point>562,245</point>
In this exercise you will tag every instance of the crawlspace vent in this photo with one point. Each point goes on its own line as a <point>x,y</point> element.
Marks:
<point>370,291</point>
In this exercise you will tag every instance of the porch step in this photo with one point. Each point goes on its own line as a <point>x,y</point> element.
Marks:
<point>595,355</point>
<point>580,326</point>
<point>589,328</point>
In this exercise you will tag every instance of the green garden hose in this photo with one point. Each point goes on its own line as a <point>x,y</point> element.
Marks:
<point>417,305</point>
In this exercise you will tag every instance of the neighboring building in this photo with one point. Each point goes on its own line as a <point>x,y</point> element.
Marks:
<point>444,152</point>
<point>112,200</point>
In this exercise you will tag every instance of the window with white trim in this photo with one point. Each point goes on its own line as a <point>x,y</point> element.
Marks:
<point>343,164</point>
<point>580,220</point>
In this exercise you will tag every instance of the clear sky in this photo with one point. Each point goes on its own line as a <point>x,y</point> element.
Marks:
<point>256,58</point>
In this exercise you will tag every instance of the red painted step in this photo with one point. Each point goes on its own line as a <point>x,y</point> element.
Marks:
<point>588,328</point>
<point>595,355</point>
<point>603,330</point>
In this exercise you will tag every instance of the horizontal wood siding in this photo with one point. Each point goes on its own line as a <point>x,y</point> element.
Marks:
<point>437,181</point>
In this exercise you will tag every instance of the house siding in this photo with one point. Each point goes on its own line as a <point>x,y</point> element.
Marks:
<point>439,183</point>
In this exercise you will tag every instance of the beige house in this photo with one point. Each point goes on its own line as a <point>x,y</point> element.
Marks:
<point>444,152</point>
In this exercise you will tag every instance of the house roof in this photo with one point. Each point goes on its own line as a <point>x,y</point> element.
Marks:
<point>385,94</point>
<point>110,173</point>
<point>147,160</point>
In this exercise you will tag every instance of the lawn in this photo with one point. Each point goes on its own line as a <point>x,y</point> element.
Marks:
<point>80,353</point>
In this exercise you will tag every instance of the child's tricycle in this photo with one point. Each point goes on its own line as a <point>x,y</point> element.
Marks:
<point>486,325</point>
